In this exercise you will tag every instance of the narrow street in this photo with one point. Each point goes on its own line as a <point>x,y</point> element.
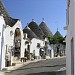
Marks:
<point>45,67</point>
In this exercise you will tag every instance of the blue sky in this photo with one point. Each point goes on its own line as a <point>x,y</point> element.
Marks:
<point>53,12</point>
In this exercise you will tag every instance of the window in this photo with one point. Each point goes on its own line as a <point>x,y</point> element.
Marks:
<point>45,42</point>
<point>38,44</point>
<point>11,33</point>
<point>28,47</point>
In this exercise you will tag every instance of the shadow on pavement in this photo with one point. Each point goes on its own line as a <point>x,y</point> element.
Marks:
<point>41,67</point>
<point>50,73</point>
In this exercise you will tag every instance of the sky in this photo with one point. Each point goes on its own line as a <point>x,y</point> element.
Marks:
<point>53,12</point>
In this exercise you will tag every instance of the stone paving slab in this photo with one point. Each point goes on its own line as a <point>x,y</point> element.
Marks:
<point>20,64</point>
<point>2,73</point>
<point>34,68</point>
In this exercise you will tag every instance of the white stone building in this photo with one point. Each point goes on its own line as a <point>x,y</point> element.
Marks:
<point>70,40</point>
<point>48,49</point>
<point>7,42</point>
<point>2,51</point>
<point>11,38</point>
<point>36,45</point>
<point>39,48</point>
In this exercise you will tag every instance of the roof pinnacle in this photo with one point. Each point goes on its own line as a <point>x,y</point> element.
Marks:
<point>42,19</point>
<point>32,20</point>
<point>57,28</point>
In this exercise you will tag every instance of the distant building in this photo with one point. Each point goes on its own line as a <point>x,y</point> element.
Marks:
<point>59,48</point>
<point>48,49</point>
<point>47,32</point>
<point>39,44</point>
<point>35,35</point>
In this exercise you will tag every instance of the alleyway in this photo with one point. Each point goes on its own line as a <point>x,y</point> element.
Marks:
<point>45,67</point>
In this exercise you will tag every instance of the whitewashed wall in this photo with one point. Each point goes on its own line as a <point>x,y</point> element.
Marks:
<point>70,35</point>
<point>33,46</point>
<point>9,39</point>
<point>19,25</point>
<point>2,51</point>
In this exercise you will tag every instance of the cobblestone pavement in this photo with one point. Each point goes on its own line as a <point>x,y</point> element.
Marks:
<point>44,67</point>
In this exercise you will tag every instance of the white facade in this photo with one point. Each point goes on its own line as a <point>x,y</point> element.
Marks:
<point>33,46</point>
<point>61,49</point>
<point>9,37</point>
<point>2,51</point>
<point>7,41</point>
<point>70,40</point>
<point>35,49</point>
<point>50,52</point>
<point>49,49</point>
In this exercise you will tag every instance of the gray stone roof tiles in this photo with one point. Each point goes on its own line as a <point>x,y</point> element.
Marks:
<point>45,29</point>
<point>36,29</point>
<point>8,19</point>
<point>57,34</point>
<point>30,33</point>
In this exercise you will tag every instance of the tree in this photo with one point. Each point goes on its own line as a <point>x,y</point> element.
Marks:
<point>50,38</point>
<point>56,39</point>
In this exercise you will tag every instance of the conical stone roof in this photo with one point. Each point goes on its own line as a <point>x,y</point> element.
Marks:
<point>36,29</point>
<point>3,10</point>
<point>45,29</point>
<point>30,33</point>
<point>8,20</point>
<point>57,34</point>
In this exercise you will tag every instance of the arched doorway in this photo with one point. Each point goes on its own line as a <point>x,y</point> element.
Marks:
<point>17,42</point>
<point>27,50</point>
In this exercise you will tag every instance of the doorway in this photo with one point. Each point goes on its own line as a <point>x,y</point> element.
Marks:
<point>72,56</point>
<point>17,42</point>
